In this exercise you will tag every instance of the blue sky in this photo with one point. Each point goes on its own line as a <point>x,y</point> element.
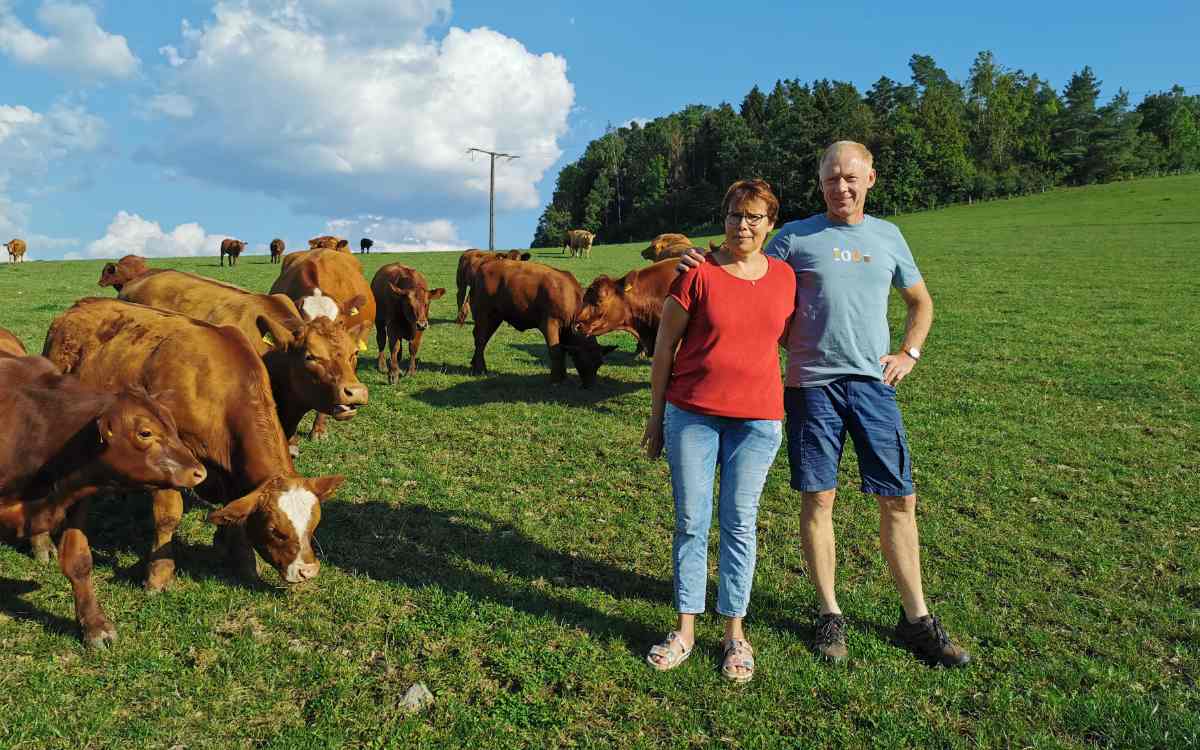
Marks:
<point>161,127</point>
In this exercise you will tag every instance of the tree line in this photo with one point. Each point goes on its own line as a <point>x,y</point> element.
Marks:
<point>1001,132</point>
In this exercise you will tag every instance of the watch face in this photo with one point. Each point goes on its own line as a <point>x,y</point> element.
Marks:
<point>914,352</point>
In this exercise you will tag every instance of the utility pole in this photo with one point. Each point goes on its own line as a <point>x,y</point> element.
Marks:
<point>492,193</point>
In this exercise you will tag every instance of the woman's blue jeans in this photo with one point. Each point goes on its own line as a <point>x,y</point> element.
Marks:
<point>744,449</point>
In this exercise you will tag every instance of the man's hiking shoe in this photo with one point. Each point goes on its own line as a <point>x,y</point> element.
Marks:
<point>830,641</point>
<point>928,640</point>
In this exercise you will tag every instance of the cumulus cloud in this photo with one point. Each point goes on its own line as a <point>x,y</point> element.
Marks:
<point>398,235</point>
<point>75,41</point>
<point>170,105</point>
<point>359,121</point>
<point>130,233</point>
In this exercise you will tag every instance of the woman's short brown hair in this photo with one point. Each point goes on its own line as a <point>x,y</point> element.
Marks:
<point>747,190</point>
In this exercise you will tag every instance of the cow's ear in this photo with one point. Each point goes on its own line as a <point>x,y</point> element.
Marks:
<point>274,335</point>
<point>236,512</point>
<point>526,256</point>
<point>324,487</point>
<point>437,293</point>
<point>397,290</point>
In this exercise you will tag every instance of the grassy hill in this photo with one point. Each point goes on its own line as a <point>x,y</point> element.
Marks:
<point>502,540</point>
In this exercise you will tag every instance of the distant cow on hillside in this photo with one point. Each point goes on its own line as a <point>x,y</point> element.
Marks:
<point>123,271</point>
<point>665,246</point>
<point>277,248</point>
<point>365,245</point>
<point>16,250</point>
<point>232,248</point>
<point>578,242</point>
<point>330,242</point>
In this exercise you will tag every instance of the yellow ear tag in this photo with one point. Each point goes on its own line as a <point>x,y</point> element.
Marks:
<point>109,434</point>
<point>362,345</point>
<point>269,340</point>
<point>354,311</point>
<point>629,287</point>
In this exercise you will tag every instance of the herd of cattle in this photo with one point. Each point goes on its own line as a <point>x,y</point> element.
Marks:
<point>184,381</point>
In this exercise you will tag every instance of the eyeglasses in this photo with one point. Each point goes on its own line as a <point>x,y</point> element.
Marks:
<point>735,217</point>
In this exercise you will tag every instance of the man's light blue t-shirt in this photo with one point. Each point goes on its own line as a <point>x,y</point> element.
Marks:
<point>844,273</point>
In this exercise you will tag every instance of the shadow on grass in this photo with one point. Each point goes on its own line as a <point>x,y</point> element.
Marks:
<point>417,546</point>
<point>11,604</point>
<point>619,358</point>
<point>528,389</point>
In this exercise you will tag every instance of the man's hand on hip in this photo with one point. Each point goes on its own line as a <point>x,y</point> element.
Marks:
<point>689,260</point>
<point>896,367</point>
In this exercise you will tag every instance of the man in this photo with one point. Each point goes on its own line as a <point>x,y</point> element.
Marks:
<point>842,378</point>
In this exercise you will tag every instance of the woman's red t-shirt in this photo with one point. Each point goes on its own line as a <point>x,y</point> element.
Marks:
<point>728,362</point>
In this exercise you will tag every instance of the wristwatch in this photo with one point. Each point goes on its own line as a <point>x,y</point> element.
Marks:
<point>913,352</point>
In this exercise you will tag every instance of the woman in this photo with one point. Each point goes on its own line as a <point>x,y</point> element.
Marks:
<point>718,401</point>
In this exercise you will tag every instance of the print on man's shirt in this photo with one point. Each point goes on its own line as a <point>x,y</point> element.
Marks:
<point>850,256</point>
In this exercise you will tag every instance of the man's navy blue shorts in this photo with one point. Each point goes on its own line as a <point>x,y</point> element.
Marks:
<point>818,419</point>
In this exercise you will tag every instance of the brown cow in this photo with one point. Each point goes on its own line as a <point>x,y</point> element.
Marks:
<point>402,298</point>
<point>216,387</point>
<point>277,249</point>
<point>468,266</point>
<point>329,242</point>
<point>232,248</point>
<point>10,345</point>
<point>310,362</point>
<point>16,250</point>
<point>667,246</point>
<point>61,443</point>
<point>578,242</point>
<point>339,276</point>
<point>123,271</point>
<point>531,295</point>
<point>632,303</point>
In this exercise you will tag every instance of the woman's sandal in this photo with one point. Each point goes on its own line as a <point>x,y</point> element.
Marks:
<point>671,653</point>
<point>738,665</point>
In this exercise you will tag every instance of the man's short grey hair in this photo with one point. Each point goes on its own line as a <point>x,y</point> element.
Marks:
<point>837,147</point>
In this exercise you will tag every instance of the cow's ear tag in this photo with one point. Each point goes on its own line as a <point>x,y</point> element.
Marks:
<point>629,287</point>
<point>362,345</point>
<point>354,311</point>
<point>109,434</point>
<point>269,340</point>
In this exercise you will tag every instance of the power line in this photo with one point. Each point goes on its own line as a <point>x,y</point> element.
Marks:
<point>492,192</point>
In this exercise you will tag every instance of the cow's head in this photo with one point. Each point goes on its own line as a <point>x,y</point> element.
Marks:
<point>122,272</point>
<point>413,302</point>
<point>603,307</point>
<point>587,354</point>
<point>141,445</point>
<point>321,357</point>
<point>280,516</point>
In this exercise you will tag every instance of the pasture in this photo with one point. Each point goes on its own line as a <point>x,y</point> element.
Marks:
<point>503,541</point>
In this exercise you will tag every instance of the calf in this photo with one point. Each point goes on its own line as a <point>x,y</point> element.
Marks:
<point>531,295</point>
<point>16,250</point>
<point>402,298</point>
<point>579,242</point>
<point>365,245</point>
<point>468,266</point>
<point>123,271</point>
<point>667,246</point>
<point>232,248</point>
<point>277,249</point>
<point>632,303</point>
<point>62,442</point>
<point>214,384</point>
<point>10,345</point>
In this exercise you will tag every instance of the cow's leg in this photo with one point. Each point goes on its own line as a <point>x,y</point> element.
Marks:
<point>233,542</point>
<point>485,328</point>
<point>319,431</point>
<point>414,346</point>
<point>75,561</point>
<point>160,563</point>
<point>381,340</point>
<point>41,546</point>
<point>395,349</point>
<point>558,366</point>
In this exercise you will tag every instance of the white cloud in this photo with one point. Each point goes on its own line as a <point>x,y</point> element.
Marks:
<point>398,235</point>
<point>170,105</point>
<point>359,120</point>
<point>76,43</point>
<point>130,233</point>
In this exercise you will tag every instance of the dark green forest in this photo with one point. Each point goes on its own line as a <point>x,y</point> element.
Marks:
<point>936,141</point>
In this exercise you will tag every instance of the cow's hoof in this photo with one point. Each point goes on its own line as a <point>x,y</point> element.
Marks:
<point>159,576</point>
<point>99,635</point>
<point>294,450</point>
<point>314,435</point>
<point>393,377</point>
<point>42,548</point>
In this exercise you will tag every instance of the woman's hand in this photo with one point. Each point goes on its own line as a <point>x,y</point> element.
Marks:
<point>652,438</point>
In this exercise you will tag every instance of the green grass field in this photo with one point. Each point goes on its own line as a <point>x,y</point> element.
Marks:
<point>503,541</point>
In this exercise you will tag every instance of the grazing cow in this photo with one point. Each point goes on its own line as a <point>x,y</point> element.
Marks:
<point>667,246</point>
<point>402,298</point>
<point>232,248</point>
<point>365,245</point>
<point>277,249</point>
<point>16,250</point>
<point>10,345</point>
<point>123,271</point>
<point>334,274</point>
<point>468,266</point>
<point>579,242</point>
<point>310,362</point>
<point>328,241</point>
<point>216,386</point>
<point>531,295</point>
<point>62,442</point>
<point>632,303</point>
